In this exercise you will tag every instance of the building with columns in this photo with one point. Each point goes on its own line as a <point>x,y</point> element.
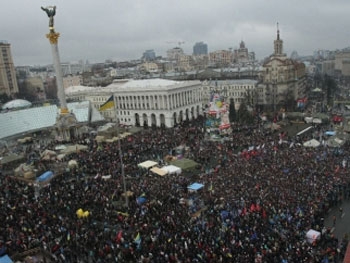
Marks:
<point>157,102</point>
<point>145,102</point>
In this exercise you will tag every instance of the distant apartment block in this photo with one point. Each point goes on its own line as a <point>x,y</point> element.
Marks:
<point>70,80</point>
<point>174,53</point>
<point>342,61</point>
<point>221,58</point>
<point>72,68</point>
<point>326,67</point>
<point>8,81</point>
<point>242,55</point>
<point>200,48</point>
<point>148,67</point>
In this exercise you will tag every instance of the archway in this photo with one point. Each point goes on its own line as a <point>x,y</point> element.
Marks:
<point>175,118</point>
<point>187,117</point>
<point>137,120</point>
<point>180,116</point>
<point>145,120</point>
<point>162,120</point>
<point>153,120</point>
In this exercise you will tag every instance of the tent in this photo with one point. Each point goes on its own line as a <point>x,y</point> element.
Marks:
<point>335,142</point>
<point>311,143</point>
<point>74,148</point>
<point>25,140</point>
<point>330,133</point>
<point>147,164</point>
<point>158,171</point>
<point>72,164</point>
<point>60,147</point>
<point>100,138</point>
<point>172,169</point>
<point>45,176</point>
<point>5,259</point>
<point>195,186</point>
<point>312,236</point>
<point>48,155</point>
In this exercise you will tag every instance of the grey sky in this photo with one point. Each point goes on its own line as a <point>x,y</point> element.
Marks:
<point>122,29</point>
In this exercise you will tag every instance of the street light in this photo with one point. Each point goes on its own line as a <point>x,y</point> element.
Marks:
<point>122,165</point>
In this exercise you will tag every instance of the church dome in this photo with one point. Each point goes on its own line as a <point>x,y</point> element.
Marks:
<point>15,104</point>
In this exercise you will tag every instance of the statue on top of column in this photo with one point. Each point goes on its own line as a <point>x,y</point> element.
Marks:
<point>50,11</point>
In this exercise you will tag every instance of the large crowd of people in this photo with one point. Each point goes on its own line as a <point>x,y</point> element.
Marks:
<point>262,192</point>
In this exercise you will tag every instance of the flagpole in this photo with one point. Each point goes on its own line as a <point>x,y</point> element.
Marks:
<point>121,155</point>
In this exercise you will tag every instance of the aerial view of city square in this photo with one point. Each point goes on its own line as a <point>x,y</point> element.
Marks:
<point>175,131</point>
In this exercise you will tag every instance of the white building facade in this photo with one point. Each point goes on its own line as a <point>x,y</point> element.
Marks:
<point>157,102</point>
<point>148,102</point>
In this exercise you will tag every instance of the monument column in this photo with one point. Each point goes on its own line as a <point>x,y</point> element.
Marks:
<point>66,122</point>
<point>53,38</point>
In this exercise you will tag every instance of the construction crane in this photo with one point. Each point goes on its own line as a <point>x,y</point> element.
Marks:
<point>179,43</point>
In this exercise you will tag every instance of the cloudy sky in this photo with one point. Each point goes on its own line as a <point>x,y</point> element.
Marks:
<point>97,30</point>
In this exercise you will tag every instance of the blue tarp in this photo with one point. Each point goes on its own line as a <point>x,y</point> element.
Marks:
<point>195,186</point>
<point>45,176</point>
<point>5,259</point>
<point>330,133</point>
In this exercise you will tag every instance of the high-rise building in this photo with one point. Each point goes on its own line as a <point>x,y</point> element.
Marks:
<point>8,81</point>
<point>149,55</point>
<point>200,48</point>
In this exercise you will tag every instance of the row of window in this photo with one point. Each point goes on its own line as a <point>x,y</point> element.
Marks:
<point>228,87</point>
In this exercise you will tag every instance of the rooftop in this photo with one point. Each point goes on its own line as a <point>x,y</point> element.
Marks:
<point>32,119</point>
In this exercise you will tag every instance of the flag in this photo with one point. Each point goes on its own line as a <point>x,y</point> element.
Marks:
<point>210,187</point>
<point>137,240</point>
<point>108,104</point>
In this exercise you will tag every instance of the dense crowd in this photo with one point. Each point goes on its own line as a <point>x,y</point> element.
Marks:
<point>262,192</point>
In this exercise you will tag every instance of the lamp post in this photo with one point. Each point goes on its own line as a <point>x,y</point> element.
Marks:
<point>122,165</point>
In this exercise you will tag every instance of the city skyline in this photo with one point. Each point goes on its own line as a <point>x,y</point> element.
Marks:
<point>122,31</point>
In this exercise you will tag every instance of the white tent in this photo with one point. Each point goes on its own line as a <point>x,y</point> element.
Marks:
<point>335,142</point>
<point>172,169</point>
<point>74,148</point>
<point>311,143</point>
<point>159,171</point>
<point>72,164</point>
<point>147,164</point>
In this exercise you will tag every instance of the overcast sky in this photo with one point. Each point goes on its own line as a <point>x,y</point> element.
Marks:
<point>120,30</point>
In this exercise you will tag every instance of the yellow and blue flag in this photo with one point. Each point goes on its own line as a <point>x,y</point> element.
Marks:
<point>108,104</point>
